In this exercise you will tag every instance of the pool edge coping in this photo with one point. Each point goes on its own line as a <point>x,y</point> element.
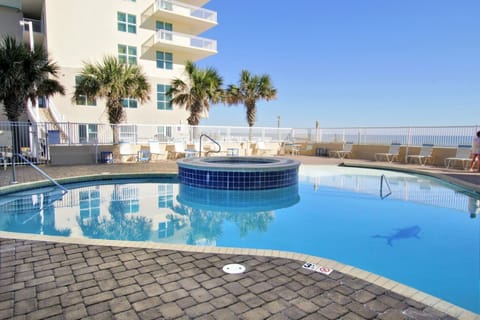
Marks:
<point>105,176</point>
<point>386,283</point>
<point>474,188</point>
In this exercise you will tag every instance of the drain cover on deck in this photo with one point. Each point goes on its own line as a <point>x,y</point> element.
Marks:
<point>233,268</point>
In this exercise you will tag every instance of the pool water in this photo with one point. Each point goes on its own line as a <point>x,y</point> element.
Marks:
<point>425,234</point>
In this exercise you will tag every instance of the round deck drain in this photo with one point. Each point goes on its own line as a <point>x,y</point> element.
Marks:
<point>233,268</point>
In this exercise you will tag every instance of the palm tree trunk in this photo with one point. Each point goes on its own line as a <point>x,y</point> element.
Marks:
<point>116,133</point>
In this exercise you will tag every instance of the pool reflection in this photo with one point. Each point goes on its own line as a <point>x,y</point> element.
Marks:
<point>37,213</point>
<point>209,209</point>
<point>160,212</point>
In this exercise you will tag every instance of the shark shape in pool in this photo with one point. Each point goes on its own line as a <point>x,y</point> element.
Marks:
<point>404,233</point>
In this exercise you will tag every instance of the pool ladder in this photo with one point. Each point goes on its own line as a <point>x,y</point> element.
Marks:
<point>203,135</point>
<point>43,173</point>
<point>384,182</point>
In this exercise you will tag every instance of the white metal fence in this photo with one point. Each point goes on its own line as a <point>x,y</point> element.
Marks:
<point>32,140</point>
<point>438,136</point>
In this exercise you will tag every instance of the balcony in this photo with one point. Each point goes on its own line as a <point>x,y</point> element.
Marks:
<point>185,17</point>
<point>38,34</point>
<point>192,47</point>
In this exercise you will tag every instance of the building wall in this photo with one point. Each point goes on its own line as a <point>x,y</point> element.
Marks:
<point>81,31</point>
<point>10,16</point>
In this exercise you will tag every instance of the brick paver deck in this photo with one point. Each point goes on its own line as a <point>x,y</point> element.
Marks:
<point>48,280</point>
<point>56,280</point>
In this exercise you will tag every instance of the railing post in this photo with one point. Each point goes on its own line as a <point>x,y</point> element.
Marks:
<point>135,129</point>
<point>408,144</point>
<point>69,133</point>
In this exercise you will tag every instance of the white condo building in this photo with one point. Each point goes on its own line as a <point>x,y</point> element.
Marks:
<point>158,35</point>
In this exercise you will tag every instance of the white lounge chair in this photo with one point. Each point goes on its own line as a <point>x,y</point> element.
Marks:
<point>127,152</point>
<point>424,155</point>
<point>157,150</point>
<point>176,151</point>
<point>260,148</point>
<point>462,155</point>
<point>345,152</point>
<point>391,155</point>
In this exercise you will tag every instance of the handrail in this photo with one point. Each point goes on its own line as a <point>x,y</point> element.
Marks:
<point>383,179</point>
<point>211,139</point>
<point>43,173</point>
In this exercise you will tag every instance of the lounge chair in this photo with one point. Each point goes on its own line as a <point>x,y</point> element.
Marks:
<point>177,150</point>
<point>391,155</point>
<point>424,155</point>
<point>260,148</point>
<point>345,152</point>
<point>127,152</point>
<point>306,149</point>
<point>463,156</point>
<point>157,150</point>
<point>291,148</point>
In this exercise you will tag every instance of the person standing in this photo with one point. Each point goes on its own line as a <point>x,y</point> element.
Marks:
<point>475,152</point>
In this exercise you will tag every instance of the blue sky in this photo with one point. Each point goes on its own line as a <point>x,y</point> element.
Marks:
<point>349,63</point>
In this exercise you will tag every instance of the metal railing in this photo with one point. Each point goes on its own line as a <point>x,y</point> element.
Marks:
<point>185,40</point>
<point>36,24</point>
<point>33,139</point>
<point>203,135</point>
<point>43,173</point>
<point>185,9</point>
<point>384,183</point>
<point>446,136</point>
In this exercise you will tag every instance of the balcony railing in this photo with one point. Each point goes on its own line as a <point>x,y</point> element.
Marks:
<point>186,10</point>
<point>36,24</point>
<point>185,40</point>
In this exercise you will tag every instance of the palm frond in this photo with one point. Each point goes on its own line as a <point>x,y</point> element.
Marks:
<point>24,75</point>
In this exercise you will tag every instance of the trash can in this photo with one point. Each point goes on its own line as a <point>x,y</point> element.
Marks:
<point>321,152</point>
<point>106,157</point>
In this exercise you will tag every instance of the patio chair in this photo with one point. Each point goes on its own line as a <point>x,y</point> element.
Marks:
<point>291,148</point>
<point>462,155</point>
<point>143,156</point>
<point>261,148</point>
<point>5,158</point>
<point>176,151</point>
<point>157,150</point>
<point>127,152</point>
<point>192,150</point>
<point>305,149</point>
<point>391,155</point>
<point>345,152</point>
<point>424,155</point>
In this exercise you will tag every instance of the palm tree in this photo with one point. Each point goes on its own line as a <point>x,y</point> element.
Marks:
<point>114,81</point>
<point>24,75</point>
<point>251,88</point>
<point>201,88</point>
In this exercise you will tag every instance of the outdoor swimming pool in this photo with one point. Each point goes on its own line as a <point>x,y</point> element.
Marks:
<point>424,234</point>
